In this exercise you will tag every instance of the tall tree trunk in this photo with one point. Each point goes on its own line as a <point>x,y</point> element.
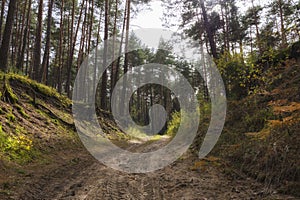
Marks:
<point>224,28</point>
<point>1,17</point>
<point>27,47</point>
<point>60,52</point>
<point>121,42</point>
<point>114,66</point>
<point>7,35</point>
<point>208,30</point>
<point>96,56</point>
<point>81,51</point>
<point>70,58</point>
<point>15,36</point>
<point>89,42</point>
<point>21,57</point>
<point>37,46</point>
<point>104,76</point>
<point>82,39</point>
<point>283,34</point>
<point>126,59</point>
<point>45,63</point>
<point>256,28</point>
<point>21,36</point>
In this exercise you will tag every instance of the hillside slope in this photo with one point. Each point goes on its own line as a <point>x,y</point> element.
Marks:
<point>41,152</point>
<point>261,134</point>
<point>37,135</point>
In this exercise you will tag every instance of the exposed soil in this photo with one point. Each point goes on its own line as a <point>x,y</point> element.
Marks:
<point>187,178</point>
<point>58,167</point>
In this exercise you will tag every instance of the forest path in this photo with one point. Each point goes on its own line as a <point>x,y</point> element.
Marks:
<point>181,180</point>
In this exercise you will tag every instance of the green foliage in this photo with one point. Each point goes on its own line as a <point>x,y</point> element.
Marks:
<point>180,119</point>
<point>238,76</point>
<point>173,124</point>
<point>17,147</point>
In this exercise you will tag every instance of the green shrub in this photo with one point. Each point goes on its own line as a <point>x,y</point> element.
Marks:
<point>184,121</point>
<point>173,124</point>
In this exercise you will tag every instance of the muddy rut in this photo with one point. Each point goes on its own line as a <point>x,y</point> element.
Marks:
<point>89,179</point>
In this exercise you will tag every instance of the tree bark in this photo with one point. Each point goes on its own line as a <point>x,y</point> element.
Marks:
<point>60,52</point>
<point>45,63</point>
<point>114,66</point>
<point>208,30</point>
<point>22,35</point>
<point>126,59</point>
<point>1,17</point>
<point>104,76</point>
<point>283,34</point>
<point>70,58</point>
<point>37,46</point>
<point>7,35</point>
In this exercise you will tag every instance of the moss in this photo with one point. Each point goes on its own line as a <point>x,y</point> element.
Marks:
<point>20,130</point>
<point>55,121</point>
<point>8,93</point>
<point>38,87</point>
<point>1,111</point>
<point>26,96</point>
<point>10,117</point>
<point>17,147</point>
<point>22,112</point>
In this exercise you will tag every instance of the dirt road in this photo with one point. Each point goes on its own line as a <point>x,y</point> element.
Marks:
<point>89,179</point>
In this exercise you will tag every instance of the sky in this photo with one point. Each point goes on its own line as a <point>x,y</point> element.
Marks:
<point>149,18</point>
<point>152,18</point>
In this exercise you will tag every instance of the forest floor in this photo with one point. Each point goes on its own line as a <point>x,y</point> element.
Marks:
<point>41,156</point>
<point>187,178</point>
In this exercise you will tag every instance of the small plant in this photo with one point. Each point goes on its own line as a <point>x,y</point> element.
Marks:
<point>135,133</point>
<point>16,147</point>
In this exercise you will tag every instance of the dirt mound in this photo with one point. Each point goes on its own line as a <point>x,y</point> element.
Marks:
<point>36,126</point>
<point>261,134</point>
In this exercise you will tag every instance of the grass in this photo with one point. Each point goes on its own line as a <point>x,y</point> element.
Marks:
<point>135,133</point>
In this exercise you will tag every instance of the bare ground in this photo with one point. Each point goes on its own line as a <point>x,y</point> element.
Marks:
<point>86,178</point>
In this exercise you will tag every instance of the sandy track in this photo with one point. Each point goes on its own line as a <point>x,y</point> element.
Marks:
<point>91,180</point>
